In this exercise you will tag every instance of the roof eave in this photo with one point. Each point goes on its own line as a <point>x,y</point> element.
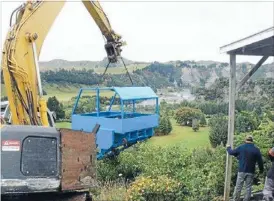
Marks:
<point>268,33</point>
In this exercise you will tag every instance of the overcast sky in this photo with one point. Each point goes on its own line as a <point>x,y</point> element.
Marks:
<point>154,31</point>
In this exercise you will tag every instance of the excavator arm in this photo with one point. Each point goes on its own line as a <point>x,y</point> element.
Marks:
<point>21,51</point>
<point>114,43</point>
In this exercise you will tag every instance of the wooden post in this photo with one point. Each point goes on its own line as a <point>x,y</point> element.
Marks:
<point>231,121</point>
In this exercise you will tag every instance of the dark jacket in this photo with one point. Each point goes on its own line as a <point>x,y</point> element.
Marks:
<point>270,173</point>
<point>248,155</point>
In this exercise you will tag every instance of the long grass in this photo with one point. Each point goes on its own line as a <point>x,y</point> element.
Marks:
<point>109,191</point>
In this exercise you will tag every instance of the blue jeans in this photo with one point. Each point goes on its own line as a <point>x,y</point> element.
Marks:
<point>268,189</point>
<point>242,178</point>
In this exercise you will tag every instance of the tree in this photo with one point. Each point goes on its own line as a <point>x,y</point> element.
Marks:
<point>169,125</point>
<point>68,114</point>
<point>195,125</point>
<point>185,115</point>
<point>203,120</point>
<point>247,121</point>
<point>87,104</point>
<point>54,105</point>
<point>218,130</point>
<point>270,115</point>
<point>155,75</point>
<point>165,126</point>
<point>258,110</point>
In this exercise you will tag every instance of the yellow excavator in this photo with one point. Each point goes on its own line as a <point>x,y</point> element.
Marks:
<point>36,158</point>
<point>21,51</point>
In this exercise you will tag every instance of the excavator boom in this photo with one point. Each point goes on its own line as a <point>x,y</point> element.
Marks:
<point>30,24</point>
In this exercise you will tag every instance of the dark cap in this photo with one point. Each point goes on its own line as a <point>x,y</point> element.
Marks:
<point>249,138</point>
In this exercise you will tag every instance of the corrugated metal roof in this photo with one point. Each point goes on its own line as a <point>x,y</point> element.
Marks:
<point>135,93</point>
<point>260,44</point>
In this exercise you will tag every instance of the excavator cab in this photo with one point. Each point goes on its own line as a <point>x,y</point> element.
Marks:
<point>43,159</point>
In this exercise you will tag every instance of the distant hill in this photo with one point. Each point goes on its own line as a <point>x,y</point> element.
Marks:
<point>192,73</point>
<point>58,64</point>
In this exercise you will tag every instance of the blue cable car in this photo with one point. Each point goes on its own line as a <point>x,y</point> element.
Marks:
<point>122,127</point>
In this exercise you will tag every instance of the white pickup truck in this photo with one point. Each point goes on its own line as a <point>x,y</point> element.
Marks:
<point>6,115</point>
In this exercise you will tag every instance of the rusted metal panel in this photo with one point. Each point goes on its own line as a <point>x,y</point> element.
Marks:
<point>78,155</point>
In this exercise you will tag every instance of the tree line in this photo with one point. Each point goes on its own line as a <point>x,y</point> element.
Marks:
<point>156,76</point>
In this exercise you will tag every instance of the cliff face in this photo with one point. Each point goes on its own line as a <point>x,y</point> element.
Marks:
<point>205,75</point>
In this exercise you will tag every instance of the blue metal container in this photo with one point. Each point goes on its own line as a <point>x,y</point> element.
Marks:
<point>118,128</point>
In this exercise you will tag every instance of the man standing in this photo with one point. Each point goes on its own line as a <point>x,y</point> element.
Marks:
<point>269,182</point>
<point>248,155</point>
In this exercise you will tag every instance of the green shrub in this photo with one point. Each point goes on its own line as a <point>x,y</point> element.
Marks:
<point>106,170</point>
<point>263,139</point>
<point>246,122</point>
<point>204,177</point>
<point>270,115</point>
<point>165,126</point>
<point>195,125</point>
<point>201,171</point>
<point>185,115</point>
<point>218,130</point>
<point>203,121</point>
<point>160,188</point>
<point>55,106</point>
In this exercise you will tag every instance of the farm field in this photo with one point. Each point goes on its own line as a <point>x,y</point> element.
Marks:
<point>66,92</point>
<point>121,70</point>
<point>62,92</point>
<point>99,70</point>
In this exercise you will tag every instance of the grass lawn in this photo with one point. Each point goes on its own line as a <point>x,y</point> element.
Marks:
<point>180,135</point>
<point>63,124</point>
<point>183,136</point>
